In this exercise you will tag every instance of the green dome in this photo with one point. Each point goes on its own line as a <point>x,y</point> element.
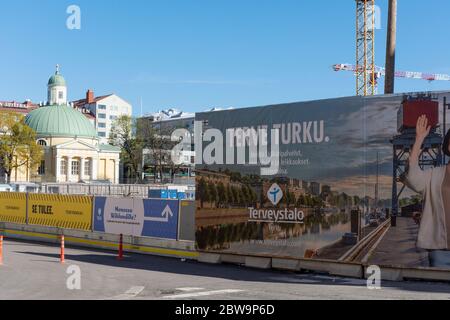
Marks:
<point>57,80</point>
<point>60,121</point>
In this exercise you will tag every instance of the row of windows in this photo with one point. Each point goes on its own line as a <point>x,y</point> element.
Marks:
<point>75,167</point>
<point>112,108</point>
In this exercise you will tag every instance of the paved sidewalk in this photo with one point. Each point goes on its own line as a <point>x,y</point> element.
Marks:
<point>398,247</point>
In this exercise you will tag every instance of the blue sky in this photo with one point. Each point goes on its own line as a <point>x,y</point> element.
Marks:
<point>199,54</point>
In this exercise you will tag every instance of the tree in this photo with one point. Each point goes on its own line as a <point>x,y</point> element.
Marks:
<point>156,137</point>
<point>244,196</point>
<point>213,193</point>
<point>123,135</point>
<point>202,193</point>
<point>236,195</point>
<point>222,193</point>
<point>230,195</point>
<point>18,147</point>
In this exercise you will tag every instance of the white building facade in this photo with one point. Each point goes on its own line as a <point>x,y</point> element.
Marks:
<point>105,109</point>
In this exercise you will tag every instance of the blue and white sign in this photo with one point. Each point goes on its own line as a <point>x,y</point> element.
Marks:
<point>137,217</point>
<point>275,194</point>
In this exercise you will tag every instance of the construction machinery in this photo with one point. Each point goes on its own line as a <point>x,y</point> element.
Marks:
<point>379,72</point>
<point>365,48</point>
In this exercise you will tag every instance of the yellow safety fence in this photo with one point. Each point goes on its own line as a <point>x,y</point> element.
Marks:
<point>13,207</point>
<point>62,211</point>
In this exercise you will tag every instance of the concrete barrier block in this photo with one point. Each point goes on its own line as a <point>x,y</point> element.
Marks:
<point>333,268</point>
<point>257,262</point>
<point>426,274</point>
<point>212,258</point>
<point>390,274</point>
<point>286,264</point>
<point>232,258</point>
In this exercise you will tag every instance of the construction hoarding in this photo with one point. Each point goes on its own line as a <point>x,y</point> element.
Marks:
<point>137,217</point>
<point>13,207</point>
<point>62,211</point>
<point>315,180</point>
<point>187,221</point>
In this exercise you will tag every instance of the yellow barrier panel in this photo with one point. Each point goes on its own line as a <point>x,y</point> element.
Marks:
<point>13,207</point>
<point>62,211</point>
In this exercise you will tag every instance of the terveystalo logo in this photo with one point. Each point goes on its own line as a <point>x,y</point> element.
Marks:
<point>275,195</point>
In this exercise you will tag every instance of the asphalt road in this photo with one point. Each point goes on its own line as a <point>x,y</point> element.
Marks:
<point>33,271</point>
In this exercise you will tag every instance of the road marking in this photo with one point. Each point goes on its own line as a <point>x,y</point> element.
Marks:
<point>294,280</point>
<point>189,289</point>
<point>129,294</point>
<point>201,294</point>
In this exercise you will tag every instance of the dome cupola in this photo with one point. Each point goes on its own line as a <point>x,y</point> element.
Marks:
<point>57,89</point>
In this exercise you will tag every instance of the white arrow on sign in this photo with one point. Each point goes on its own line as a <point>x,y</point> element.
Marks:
<point>99,214</point>
<point>165,215</point>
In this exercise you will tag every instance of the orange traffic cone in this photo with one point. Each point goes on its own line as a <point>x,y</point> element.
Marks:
<point>62,249</point>
<point>120,256</point>
<point>1,250</point>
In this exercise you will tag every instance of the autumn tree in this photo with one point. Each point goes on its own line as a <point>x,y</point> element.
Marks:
<point>18,146</point>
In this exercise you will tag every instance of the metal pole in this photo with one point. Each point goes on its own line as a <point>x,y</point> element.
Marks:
<point>445,125</point>
<point>389,85</point>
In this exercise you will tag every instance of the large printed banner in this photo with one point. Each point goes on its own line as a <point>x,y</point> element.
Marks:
<point>137,217</point>
<point>312,179</point>
<point>62,211</point>
<point>13,207</point>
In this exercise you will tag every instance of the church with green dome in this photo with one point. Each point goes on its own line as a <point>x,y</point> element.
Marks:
<point>72,149</point>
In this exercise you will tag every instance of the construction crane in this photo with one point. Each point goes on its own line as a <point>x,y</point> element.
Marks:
<point>381,72</point>
<point>365,48</point>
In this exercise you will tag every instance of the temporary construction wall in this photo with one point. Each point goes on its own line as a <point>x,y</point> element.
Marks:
<point>13,207</point>
<point>70,212</point>
<point>137,217</point>
<point>283,181</point>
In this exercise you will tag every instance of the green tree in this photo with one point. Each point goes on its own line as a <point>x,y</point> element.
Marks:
<point>245,196</point>
<point>213,193</point>
<point>230,193</point>
<point>236,195</point>
<point>202,193</point>
<point>18,146</point>
<point>222,193</point>
<point>253,195</point>
<point>123,135</point>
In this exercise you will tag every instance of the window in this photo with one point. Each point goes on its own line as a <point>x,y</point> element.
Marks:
<point>60,95</point>
<point>102,125</point>
<point>42,143</point>
<point>87,168</point>
<point>75,167</point>
<point>102,134</point>
<point>63,169</point>
<point>101,107</point>
<point>112,117</point>
<point>102,116</point>
<point>41,169</point>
